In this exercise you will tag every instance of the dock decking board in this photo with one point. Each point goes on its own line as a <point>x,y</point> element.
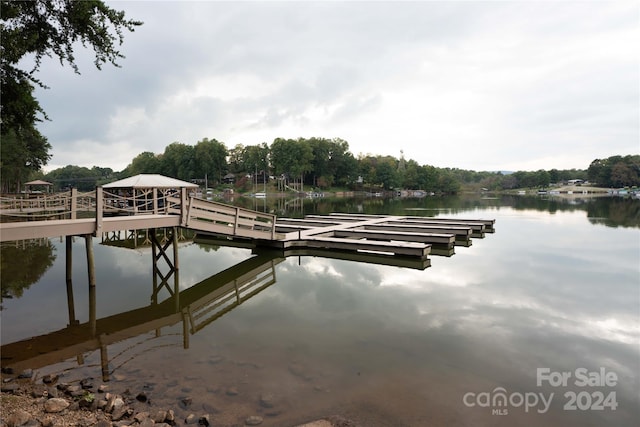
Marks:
<point>420,250</point>
<point>475,226</point>
<point>442,239</point>
<point>459,232</point>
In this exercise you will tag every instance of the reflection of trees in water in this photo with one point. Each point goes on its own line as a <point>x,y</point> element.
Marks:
<point>611,211</point>
<point>615,212</point>
<point>207,247</point>
<point>23,264</point>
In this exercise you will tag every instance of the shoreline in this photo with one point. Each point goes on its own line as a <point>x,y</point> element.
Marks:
<point>24,402</point>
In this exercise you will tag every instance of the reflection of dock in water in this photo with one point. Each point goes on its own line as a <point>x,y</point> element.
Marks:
<point>377,239</point>
<point>365,257</point>
<point>195,307</point>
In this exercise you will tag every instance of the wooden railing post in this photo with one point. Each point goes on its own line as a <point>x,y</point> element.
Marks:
<point>188,213</point>
<point>73,203</point>
<point>155,200</point>
<point>183,206</point>
<point>99,209</point>
<point>273,227</point>
<point>235,223</point>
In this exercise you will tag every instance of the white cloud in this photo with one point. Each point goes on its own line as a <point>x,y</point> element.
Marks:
<point>482,85</point>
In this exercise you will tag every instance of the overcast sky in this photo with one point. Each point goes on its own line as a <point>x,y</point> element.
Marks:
<point>476,85</point>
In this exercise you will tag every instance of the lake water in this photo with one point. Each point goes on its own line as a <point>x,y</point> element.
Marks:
<point>484,337</point>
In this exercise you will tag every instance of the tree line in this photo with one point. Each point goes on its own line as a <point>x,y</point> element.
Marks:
<point>322,163</point>
<point>616,171</point>
<point>318,163</point>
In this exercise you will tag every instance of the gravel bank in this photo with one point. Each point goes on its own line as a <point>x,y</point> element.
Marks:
<point>54,404</point>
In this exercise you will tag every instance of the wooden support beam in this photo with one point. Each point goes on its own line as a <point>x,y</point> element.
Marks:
<point>160,279</point>
<point>92,282</point>
<point>176,269</point>
<point>69,280</point>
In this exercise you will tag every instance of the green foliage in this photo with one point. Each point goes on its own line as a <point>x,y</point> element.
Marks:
<point>37,29</point>
<point>386,172</point>
<point>23,151</point>
<point>292,157</point>
<point>178,161</point>
<point>324,163</point>
<point>447,182</point>
<point>84,179</point>
<point>256,158</point>
<point>145,162</point>
<point>615,171</point>
<point>332,163</point>
<point>236,159</point>
<point>210,160</point>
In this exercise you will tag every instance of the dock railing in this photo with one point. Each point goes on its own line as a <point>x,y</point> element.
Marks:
<point>195,213</point>
<point>225,219</point>
<point>47,205</point>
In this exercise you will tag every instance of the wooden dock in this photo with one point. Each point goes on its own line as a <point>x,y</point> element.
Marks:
<point>166,206</point>
<point>396,236</point>
<point>161,210</point>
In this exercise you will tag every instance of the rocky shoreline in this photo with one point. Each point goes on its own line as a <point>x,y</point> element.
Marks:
<point>52,403</point>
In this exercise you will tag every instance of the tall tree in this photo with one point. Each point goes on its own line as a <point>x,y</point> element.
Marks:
<point>235,161</point>
<point>210,159</point>
<point>256,158</point>
<point>178,161</point>
<point>22,152</point>
<point>41,28</point>
<point>145,162</point>
<point>291,157</point>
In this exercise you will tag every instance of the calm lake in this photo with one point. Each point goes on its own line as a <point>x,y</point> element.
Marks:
<point>536,324</point>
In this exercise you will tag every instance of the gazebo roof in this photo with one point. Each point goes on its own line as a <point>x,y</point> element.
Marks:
<point>150,181</point>
<point>38,182</point>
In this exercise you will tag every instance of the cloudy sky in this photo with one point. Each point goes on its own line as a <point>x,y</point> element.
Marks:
<point>478,85</point>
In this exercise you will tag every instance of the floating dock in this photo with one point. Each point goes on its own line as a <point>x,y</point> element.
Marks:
<point>398,236</point>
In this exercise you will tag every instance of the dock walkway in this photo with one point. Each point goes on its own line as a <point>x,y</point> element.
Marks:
<point>402,236</point>
<point>112,212</point>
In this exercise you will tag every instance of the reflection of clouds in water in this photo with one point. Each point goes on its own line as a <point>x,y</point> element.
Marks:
<point>320,266</point>
<point>200,265</point>
<point>426,282</point>
<point>136,260</point>
<point>625,330</point>
<point>552,293</point>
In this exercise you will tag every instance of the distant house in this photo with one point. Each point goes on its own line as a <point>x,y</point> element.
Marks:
<point>229,178</point>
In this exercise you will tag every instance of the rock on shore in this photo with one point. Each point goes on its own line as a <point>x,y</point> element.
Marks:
<point>24,403</point>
